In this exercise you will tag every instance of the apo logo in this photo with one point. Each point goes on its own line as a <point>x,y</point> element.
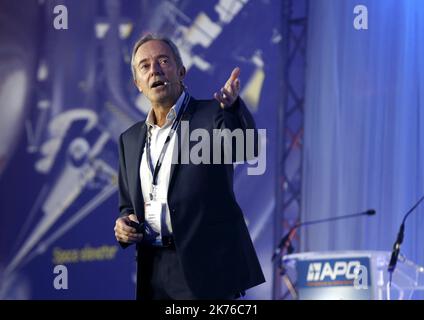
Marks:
<point>319,271</point>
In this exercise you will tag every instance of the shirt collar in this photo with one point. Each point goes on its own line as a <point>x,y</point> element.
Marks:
<point>172,114</point>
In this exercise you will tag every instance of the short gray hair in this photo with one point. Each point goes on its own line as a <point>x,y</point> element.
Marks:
<point>149,37</point>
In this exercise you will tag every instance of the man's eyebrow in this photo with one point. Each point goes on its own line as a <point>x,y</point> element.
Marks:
<point>157,57</point>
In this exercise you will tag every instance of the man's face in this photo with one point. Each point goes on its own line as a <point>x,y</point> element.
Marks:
<point>154,64</point>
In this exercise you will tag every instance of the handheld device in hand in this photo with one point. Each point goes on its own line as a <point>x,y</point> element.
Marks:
<point>137,226</point>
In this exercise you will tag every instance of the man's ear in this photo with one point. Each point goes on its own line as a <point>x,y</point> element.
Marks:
<point>182,73</point>
<point>136,85</point>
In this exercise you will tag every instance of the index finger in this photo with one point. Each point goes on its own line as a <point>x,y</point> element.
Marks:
<point>234,75</point>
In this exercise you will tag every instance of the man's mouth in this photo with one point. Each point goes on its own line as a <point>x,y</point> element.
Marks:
<point>158,84</point>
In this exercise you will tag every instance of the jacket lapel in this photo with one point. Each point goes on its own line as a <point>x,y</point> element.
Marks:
<point>181,138</point>
<point>139,142</point>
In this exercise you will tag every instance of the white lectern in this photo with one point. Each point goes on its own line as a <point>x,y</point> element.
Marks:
<point>352,275</point>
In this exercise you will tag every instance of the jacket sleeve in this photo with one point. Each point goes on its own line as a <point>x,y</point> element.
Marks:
<point>125,205</point>
<point>239,136</point>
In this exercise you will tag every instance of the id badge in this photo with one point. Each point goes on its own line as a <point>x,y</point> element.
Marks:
<point>153,192</point>
<point>153,214</point>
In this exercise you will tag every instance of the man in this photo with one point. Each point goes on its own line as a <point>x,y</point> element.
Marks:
<point>193,243</point>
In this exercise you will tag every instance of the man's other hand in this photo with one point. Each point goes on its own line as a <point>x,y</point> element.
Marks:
<point>124,233</point>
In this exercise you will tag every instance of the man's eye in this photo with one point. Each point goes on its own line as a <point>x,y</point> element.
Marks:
<point>144,69</point>
<point>164,61</point>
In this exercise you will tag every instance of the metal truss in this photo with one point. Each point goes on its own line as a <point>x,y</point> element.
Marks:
<point>291,122</point>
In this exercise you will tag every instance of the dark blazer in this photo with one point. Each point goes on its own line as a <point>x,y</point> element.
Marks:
<point>210,234</point>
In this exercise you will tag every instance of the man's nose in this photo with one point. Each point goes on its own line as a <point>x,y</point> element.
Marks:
<point>156,68</point>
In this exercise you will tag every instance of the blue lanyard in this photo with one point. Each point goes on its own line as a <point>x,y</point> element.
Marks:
<point>175,124</point>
